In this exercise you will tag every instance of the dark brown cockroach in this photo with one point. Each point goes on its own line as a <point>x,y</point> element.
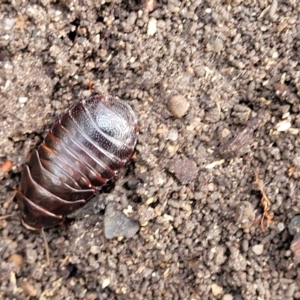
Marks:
<point>88,145</point>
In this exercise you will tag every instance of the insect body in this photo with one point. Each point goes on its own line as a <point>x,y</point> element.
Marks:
<point>89,144</point>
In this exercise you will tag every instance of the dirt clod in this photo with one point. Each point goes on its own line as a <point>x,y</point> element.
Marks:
<point>184,169</point>
<point>178,106</point>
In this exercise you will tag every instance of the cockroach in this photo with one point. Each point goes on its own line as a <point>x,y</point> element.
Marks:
<point>85,148</point>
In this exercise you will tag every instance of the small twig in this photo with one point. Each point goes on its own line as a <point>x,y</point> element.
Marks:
<point>261,188</point>
<point>266,203</point>
<point>46,247</point>
<point>64,262</point>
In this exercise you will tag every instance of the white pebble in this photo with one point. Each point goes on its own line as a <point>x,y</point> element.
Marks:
<point>280,227</point>
<point>105,283</point>
<point>273,9</point>
<point>23,99</point>
<point>216,289</point>
<point>283,125</point>
<point>173,135</point>
<point>227,297</point>
<point>258,249</point>
<point>95,249</point>
<point>294,131</point>
<point>86,93</point>
<point>9,23</point>
<point>151,26</point>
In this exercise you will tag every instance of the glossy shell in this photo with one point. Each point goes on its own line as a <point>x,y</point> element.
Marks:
<point>88,145</point>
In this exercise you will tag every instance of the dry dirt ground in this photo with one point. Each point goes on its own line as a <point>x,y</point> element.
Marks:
<point>214,183</point>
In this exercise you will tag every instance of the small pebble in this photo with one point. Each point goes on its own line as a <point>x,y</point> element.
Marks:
<point>185,170</point>
<point>105,283</point>
<point>6,166</point>
<point>245,215</point>
<point>245,245</point>
<point>117,224</point>
<point>95,249</point>
<point>148,5</point>
<point>227,297</point>
<point>28,288</point>
<point>152,26</point>
<point>173,135</point>
<point>178,106</point>
<point>294,225</point>
<point>23,99</point>
<point>9,23</point>
<point>294,131</point>
<point>132,18</point>
<point>258,249</point>
<point>224,134</point>
<point>283,125</point>
<point>272,11</point>
<point>216,46</point>
<point>216,289</point>
<point>290,292</point>
<point>280,227</point>
<point>17,259</point>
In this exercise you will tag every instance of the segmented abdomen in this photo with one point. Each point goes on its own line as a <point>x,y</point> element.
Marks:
<point>89,144</point>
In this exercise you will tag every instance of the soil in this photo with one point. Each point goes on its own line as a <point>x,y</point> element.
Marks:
<point>214,182</point>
